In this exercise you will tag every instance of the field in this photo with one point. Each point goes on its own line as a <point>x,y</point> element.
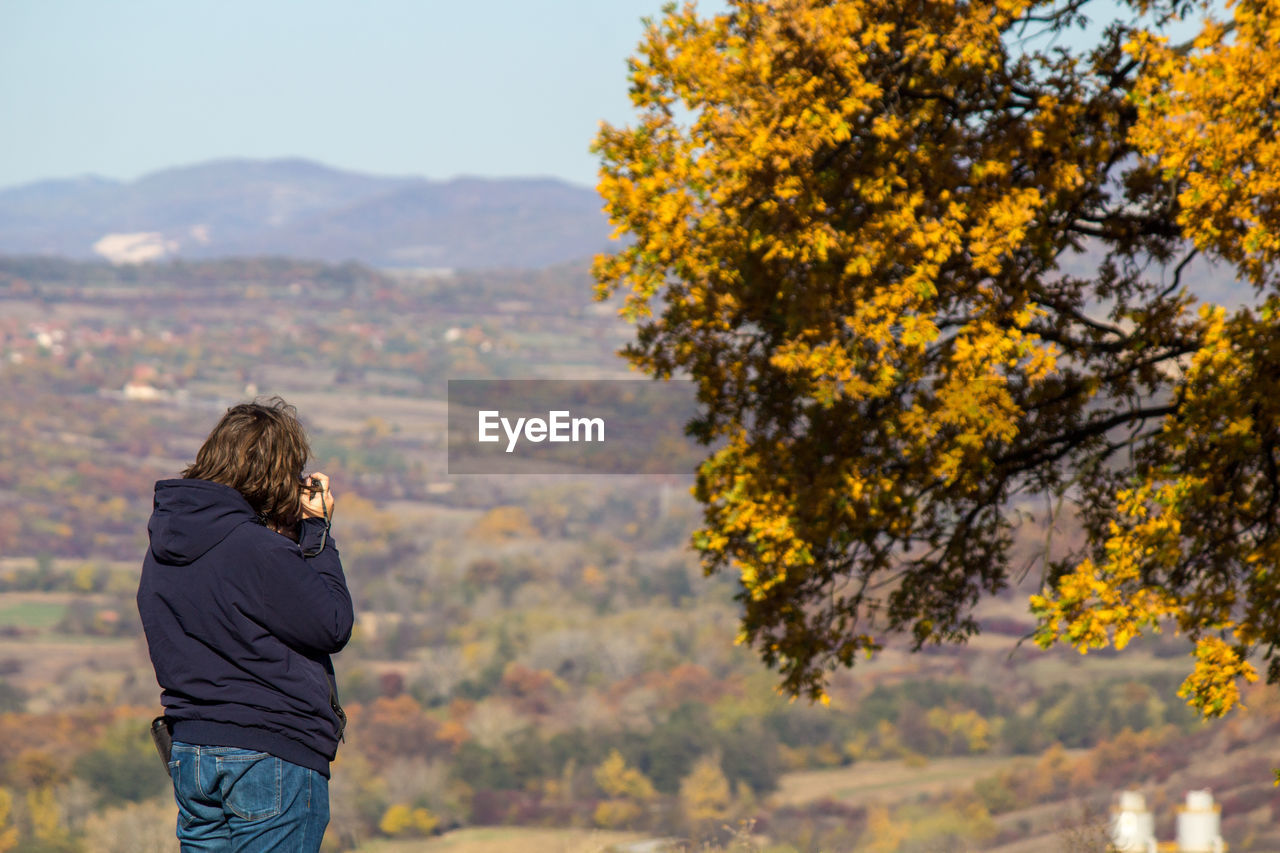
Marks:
<point>504,840</point>
<point>885,781</point>
<point>35,612</point>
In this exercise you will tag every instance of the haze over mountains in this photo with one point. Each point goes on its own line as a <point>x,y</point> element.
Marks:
<point>305,209</point>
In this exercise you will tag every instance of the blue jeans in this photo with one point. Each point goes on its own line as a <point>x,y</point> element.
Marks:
<point>233,800</point>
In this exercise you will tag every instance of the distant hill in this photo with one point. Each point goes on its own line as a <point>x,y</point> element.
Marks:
<point>304,209</point>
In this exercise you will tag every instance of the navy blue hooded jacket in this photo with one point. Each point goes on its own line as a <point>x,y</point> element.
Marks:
<point>240,624</point>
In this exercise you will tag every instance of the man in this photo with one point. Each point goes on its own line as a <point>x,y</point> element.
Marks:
<point>243,600</point>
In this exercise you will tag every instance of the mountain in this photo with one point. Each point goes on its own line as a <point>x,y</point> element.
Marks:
<point>305,209</point>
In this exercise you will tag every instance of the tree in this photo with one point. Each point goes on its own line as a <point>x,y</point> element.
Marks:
<point>402,819</point>
<point>620,781</point>
<point>123,767</point>
<point>704,794</point>
<point>925,260</point>
<point>8,832</point>
<point>627,789</point>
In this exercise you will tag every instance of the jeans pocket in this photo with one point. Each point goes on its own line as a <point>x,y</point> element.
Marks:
<point>252,784</point>
<point>175,770</point>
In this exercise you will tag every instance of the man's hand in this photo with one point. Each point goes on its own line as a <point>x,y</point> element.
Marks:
<point>317,500</point>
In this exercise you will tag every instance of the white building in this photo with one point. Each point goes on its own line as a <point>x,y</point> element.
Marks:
<point>1133,826</point>
<point>1199,826</point>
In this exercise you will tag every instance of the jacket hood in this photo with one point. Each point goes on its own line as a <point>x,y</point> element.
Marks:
<point>192,516</point>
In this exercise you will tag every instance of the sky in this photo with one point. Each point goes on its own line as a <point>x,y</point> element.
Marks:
<point>392,87</point>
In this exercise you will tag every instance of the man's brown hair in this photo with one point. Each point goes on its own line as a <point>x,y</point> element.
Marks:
<point>259,449</point>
